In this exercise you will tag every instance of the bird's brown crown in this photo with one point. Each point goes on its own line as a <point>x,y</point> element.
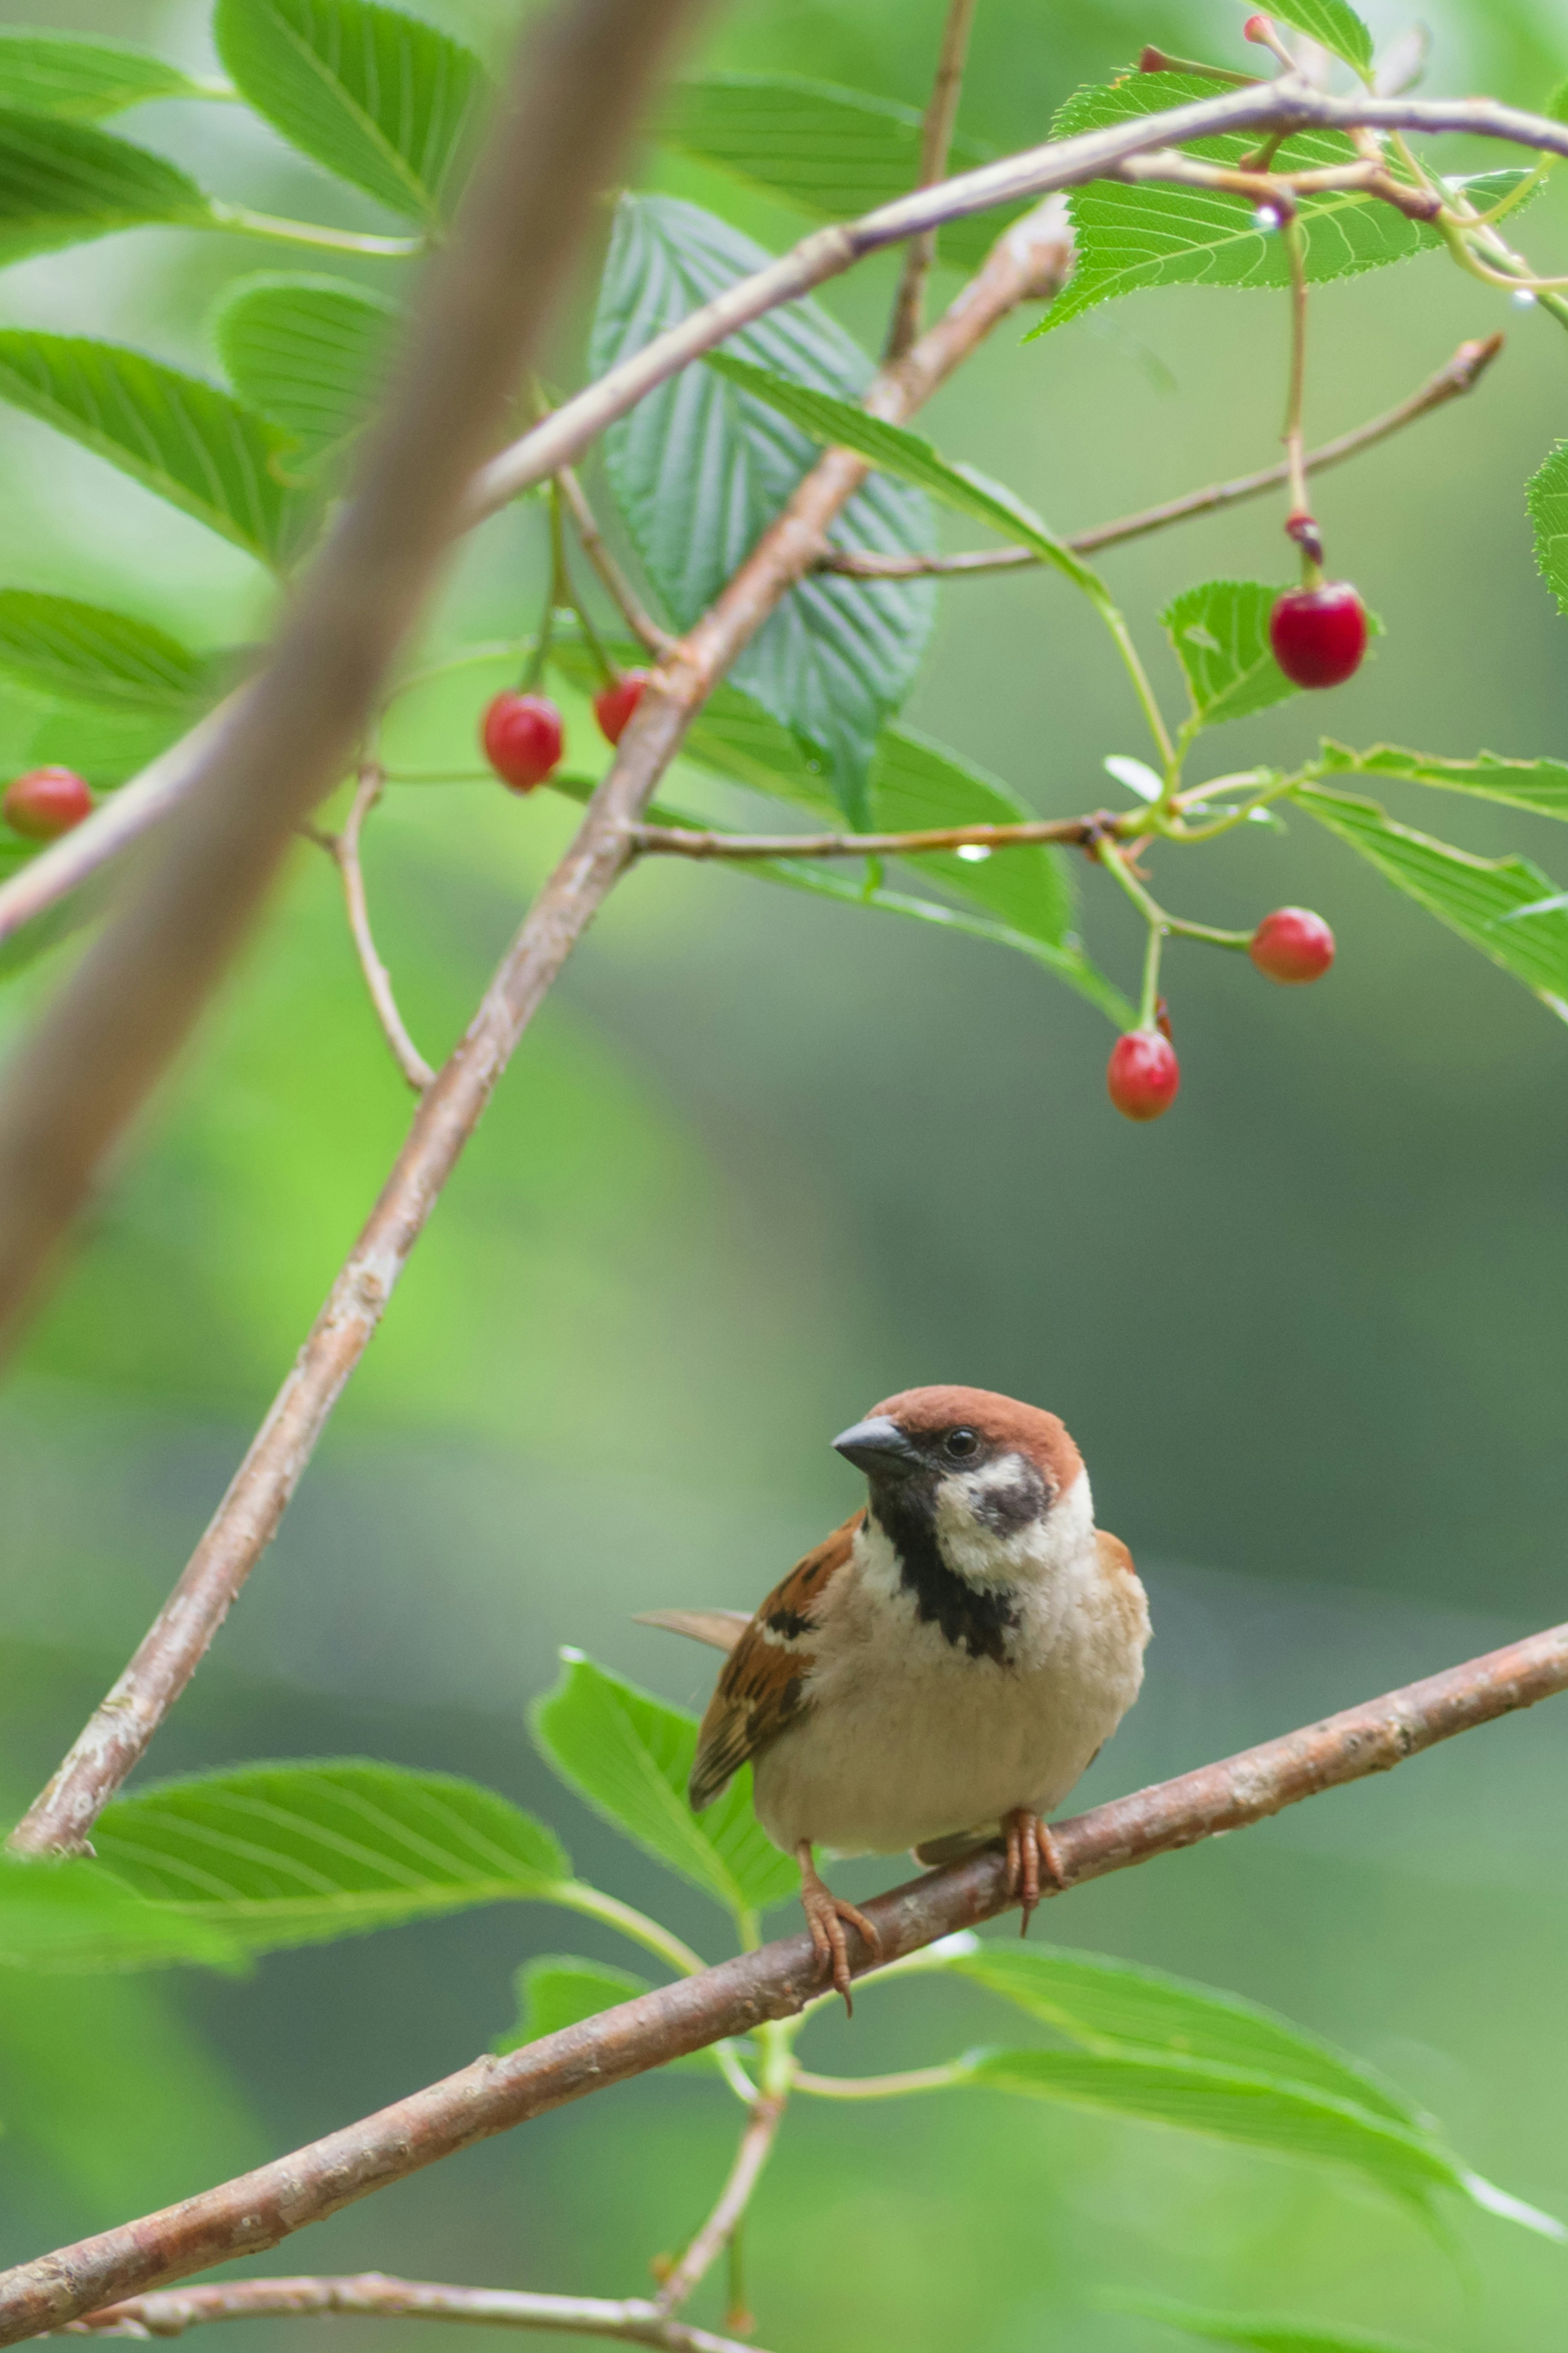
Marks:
<point>1006,1422</point>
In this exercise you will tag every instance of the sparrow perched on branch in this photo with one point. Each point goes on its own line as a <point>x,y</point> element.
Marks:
<point>940,1672</point>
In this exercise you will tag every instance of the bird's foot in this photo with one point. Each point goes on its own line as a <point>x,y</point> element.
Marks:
<point>826,1915</point>
<point>1033,1861</point>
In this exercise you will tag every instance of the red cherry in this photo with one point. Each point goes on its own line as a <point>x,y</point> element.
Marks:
<point>1257,28</point>
<point>1292,945</point>
<point>45,803</point>
<point>1144,1074</point>
<point>522,736</point>
<point>1319,635</point>
<point>614,705</point>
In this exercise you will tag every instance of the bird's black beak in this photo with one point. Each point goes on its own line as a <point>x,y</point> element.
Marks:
<point>878,1447</point>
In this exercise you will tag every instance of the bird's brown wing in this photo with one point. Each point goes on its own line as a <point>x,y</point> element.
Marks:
<point>762,1687</point>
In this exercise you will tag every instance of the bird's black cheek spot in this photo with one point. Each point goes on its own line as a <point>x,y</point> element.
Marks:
<point>1012,1503</point>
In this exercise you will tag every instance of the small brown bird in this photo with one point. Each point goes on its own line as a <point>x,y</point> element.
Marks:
<point>942,1668</point>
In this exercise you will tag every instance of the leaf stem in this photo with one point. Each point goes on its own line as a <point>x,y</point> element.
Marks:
<point>578,1895</point>
<point>885,2087</point>
<point>1121,637</point>
<point>245,222</point>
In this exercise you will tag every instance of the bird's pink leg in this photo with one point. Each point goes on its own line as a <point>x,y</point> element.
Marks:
<point>1032,1861</point>
<point>826,1915</point>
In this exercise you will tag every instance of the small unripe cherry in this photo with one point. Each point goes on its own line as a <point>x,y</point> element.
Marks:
<point>1144,1074</point>
<point>1292,945</point>
<point>1257,28</point>
<point>45,803</point>
<point>614,705</point>
<point>522,736</point>
<point>1319,635</point>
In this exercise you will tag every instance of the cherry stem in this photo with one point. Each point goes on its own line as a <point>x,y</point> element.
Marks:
<point>1295,448</point>
<point>1162,927</point>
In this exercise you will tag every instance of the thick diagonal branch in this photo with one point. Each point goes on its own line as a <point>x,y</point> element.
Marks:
<point>1030,259</point>
<point>261,2208</point>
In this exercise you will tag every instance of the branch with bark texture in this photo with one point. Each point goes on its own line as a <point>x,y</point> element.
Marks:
<point>936,139</point>
<point>1030,261</point>
<point>343,848</point>
<point>259,2209</point>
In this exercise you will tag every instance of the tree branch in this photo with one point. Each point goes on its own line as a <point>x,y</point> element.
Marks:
<point>1457,376</point>
<point>372,2295</point>
<point>936,138</point>
<point>343,848</point>
<point>260,2209</point>
<point>634,614</point>
<point>756,2147</point>
<point>1031,259</point>
<point>681,841</point>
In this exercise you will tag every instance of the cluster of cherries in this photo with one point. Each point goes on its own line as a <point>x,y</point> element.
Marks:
<point>522,733</point>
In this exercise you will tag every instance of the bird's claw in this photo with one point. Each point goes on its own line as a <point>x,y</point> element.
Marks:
<point>826,1915</point>
<point>1033,1861</point>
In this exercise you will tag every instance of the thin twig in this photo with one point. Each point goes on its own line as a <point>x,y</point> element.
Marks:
<point>634,614</point>
<point>1459,376</point>
<point>1032,256</point>
<point>936,139</point>
<point>681,841</point>
<point>756,2147</point>
<point>247,2216</point>
<point>372,2295</point>
<point>345,851</point>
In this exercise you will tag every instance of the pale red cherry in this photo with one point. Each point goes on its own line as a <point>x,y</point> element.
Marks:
<point>1292,945</point>
<point>522,741</point>
<point>1319,635</point>
<point>614,705</point>
<point>45,803</point>
<point>1144,1074</point>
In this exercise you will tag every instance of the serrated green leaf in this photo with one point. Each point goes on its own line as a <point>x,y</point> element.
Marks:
<point>1475,897</point>
<point>1547,495</point>
<point>300,1854</point>
<point>1112,2005</point>
<point>1130,236</point>
<point>1332,24</point>
<point>1260,2332</point>
<point>379,97</point>
<point>81,81</point>
<point>181,436</point>
<point>311,354</point>
<point>1220,632</point>
<point>77,1916</point>
<point>630,1756</point>
<point>831,151</point>
<point>1539,786</point>
<point>59,646</point>
<point>700,470</point>
<point>63,182</point>
<point>907,456</point>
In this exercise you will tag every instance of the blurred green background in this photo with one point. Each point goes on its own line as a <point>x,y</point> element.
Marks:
<point>762,1161</point>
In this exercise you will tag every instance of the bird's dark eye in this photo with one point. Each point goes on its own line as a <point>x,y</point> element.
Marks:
<point>961,1444</point>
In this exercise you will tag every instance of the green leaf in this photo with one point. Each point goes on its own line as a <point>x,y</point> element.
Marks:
<point>299,1855</point>
<point>311,354</point>
<point>1332,24</point>
<point>1260,2332</point>
<point>1112,2005</point>
<point>57,645</point>
<point>630,1756</point>
<point>106,743</point>
<point>907,456</point>
<point>700,470</point>
<point>375,95</point>
<point>557,1991</point>
<point>63,182</point>
<point>181,436</point>
<point>75,1914</point>
<point>81,81</point>
<point>1220,632</point>
<point>831,151</point>
<point>1482,899</point>
<point>1547,495</point>
<point>917,786</point>
<point>1539,786</point>
<point>1132,236</point>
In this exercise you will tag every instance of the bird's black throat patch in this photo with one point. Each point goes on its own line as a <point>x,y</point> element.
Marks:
<point>972,1617</point>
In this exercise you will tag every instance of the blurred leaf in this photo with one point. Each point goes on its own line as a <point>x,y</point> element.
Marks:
<point>375,95</point>
<point>1260,2332</point>
<point>1474,896</point>
<point>311,354</point>
<point>833,152</point>
<point>179,436</point>
<point>630,1756</point>
<point>76,1914</point>
<point>106,744</point>
<point>1111,2004</point>
<point>63,182</point>
<point>1132,236</point>
<point>1220,632</point>
<point>59,645</point>
<point>1539,786</point>
<point>1547,495</point>
<point>1330,23</point>
<point>300,1854</point>
<point>908,456</point>
<point>81,81</point>
<point>701,470</point>
<point>557,1991</point>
